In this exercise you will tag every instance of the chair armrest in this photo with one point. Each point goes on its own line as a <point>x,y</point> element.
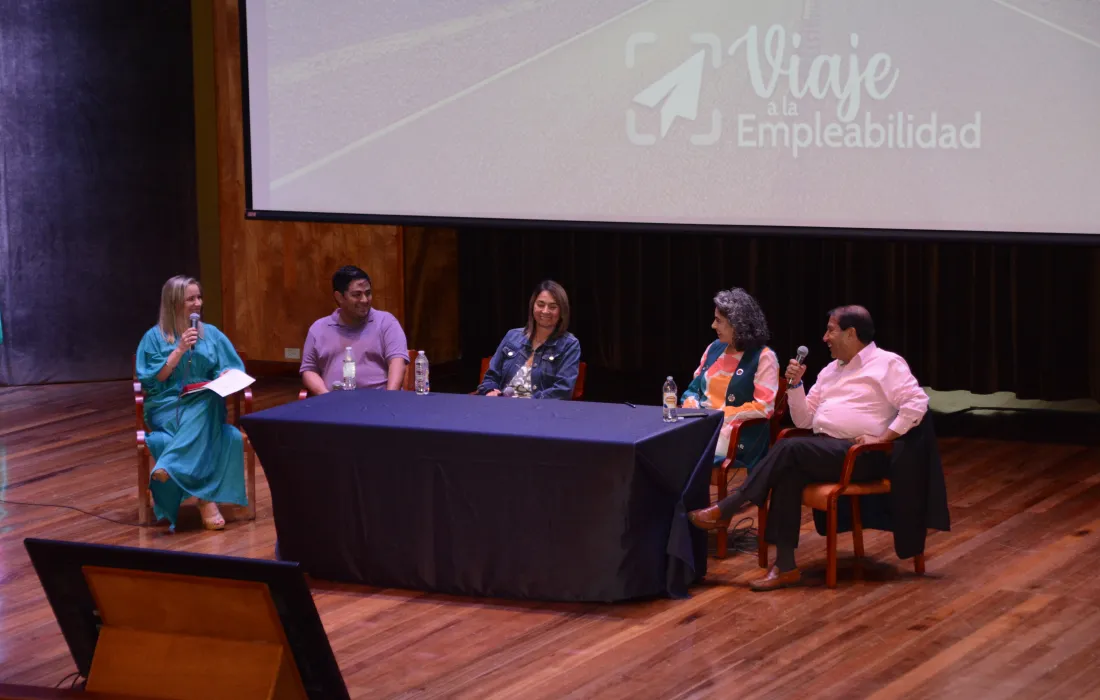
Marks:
<point>234,401</point>
<point>854,452</point>
<point>139,408</point>
<point>794,432</point>
<point>247,400</point>
<point>139,415</point>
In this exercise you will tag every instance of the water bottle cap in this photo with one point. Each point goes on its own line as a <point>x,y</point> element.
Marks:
<point>421,352</point>
<point>670,378</point>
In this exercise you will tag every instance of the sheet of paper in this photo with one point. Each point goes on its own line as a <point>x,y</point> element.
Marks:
<point>229,383</point>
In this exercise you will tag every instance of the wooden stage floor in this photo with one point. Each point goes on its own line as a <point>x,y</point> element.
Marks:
<point>1009,609</point>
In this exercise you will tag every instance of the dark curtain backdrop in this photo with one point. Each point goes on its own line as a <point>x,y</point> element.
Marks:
<point>980,317</point>
<point>97,165</point>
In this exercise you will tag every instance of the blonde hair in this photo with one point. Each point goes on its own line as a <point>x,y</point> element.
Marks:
<point>172,296</point>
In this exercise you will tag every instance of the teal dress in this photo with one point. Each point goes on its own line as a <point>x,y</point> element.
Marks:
<point>188,436</point>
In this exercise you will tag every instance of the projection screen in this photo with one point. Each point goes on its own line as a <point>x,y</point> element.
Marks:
<point>934,115</point>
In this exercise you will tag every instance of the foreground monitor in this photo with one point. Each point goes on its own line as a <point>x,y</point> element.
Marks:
<point>165,624</point>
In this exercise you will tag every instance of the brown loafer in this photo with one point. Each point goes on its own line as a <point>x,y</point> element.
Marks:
<point>775,580</point>
<point>706,518</point>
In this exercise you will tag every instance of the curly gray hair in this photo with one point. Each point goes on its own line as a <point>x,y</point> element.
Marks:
<point>746,317</point>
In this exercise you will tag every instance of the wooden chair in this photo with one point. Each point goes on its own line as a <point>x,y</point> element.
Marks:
<point>410,377</point>
<point>720,476</point>
<point>826,497</point>
<point>145,464</point>
<point>578,387</point>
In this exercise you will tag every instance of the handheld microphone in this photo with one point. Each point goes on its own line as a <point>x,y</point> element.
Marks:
<point>194,324</point>
<point>194,318</point>
<point>801,353</point>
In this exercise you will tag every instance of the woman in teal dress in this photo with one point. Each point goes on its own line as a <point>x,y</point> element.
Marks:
<point>197,453</point>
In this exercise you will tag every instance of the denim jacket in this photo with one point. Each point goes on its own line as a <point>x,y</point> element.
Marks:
<point>553,374</point>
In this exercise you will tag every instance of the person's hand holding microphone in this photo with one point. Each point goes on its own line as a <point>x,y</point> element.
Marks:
<point>187,340</point>
<point>795,369</point>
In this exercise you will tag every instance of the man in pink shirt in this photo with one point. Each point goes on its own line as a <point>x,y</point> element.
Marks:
<point>375,337</point>
<point>865,395</point>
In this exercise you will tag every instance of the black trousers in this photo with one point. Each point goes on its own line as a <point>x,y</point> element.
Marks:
<point>790,466</point>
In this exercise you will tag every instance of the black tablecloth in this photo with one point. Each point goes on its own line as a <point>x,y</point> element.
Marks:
<point>538,499</point>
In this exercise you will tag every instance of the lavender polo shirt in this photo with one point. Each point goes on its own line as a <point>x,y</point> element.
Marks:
<point>373,345</point>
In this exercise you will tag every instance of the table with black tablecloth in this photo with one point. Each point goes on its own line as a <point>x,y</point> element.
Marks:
<point>472,495</point>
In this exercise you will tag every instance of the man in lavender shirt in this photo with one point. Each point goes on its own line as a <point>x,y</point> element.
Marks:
<point>866,395</point>
<point>376,339</point>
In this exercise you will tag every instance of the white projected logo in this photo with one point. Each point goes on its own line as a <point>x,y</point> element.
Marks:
<point>784,80</point>
<point>678,89</point>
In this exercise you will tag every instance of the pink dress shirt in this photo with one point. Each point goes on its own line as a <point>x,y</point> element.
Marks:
<point>873,392</point>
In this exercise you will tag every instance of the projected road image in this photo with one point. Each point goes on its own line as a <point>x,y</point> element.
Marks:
<point>980,115</point>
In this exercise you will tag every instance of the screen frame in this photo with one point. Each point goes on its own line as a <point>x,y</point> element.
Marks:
<point>753,230</point>
<point>59,565</point>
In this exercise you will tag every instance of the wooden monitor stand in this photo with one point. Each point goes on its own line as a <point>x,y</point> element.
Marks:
<point>175,636</point>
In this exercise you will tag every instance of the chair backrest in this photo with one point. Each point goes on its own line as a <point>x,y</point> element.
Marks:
<point>410,372</point>
<point>578,387</point>
<point>780,408</point>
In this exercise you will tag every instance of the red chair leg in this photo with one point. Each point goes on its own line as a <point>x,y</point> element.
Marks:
<point>250,478</point>
<point>918,564</point>
<point>857,535</point>
<point>722,548</point>
<point>761,543</point>
<point>857,528</point>
<point>830,545</point>
<point>145,515</point>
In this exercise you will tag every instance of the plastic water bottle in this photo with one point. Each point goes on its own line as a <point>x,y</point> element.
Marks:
<point>668,403</point>
<point>349,369</point>
<point>421,369</point>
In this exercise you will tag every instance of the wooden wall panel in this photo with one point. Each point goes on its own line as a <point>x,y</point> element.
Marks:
<point>276,276</point>
<point>431,292</point>
<point>282,278</point>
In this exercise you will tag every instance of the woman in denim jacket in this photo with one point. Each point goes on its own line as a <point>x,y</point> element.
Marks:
<point>539,361</point>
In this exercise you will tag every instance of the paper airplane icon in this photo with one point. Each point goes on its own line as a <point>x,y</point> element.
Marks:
<point>679,89</point>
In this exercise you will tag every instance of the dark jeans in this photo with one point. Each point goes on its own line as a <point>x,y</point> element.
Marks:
<point>790,466</point>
